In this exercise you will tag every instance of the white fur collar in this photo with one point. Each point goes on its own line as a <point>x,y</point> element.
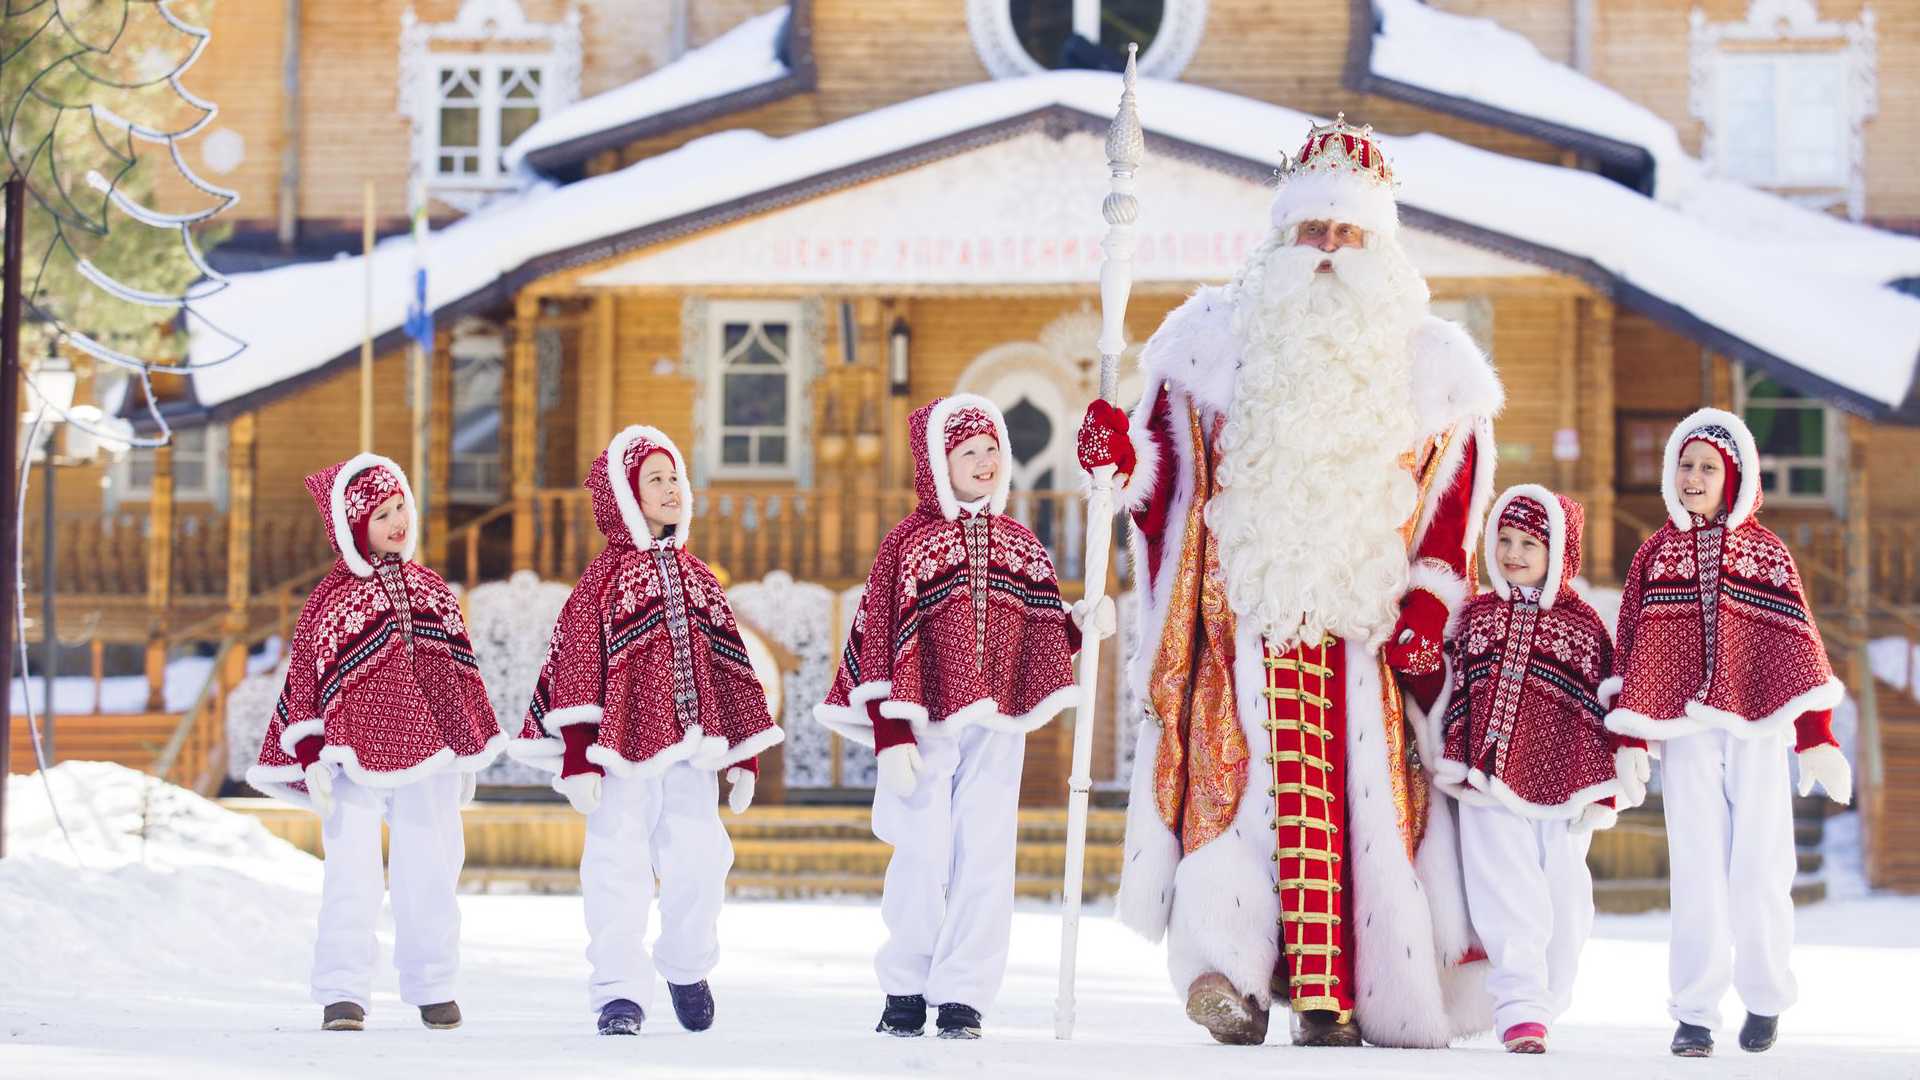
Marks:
<point>1452,380</point>
<point>337,502</point>
<point>1556,542</point>
<point>1195,349</point>
<point>936,450</point>
<point>1745,500</point>
<point>623,497</point>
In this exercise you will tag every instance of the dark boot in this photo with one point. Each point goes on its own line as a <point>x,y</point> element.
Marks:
<point>1758,1033</point>
<point>343,1016</point>
<point>1323,1027</point>
<point>957,1021</point>
<point>904,1016</point>
<point>1228,1015</point>
<point>621,1017</point>
<point>1692,1040</point>
<point>442,1017</point>
<point>693,1004</point>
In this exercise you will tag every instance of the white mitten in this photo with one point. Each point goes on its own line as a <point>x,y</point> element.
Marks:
<point>1594,816</point>
<point>469,785</point>
<point>740,785</point>
<point>319,776</point>
<point>900,769</point>
<point>1095,623</point>
<point>1634,768</point>
<point>1826,764</point>
<point>581,789</point>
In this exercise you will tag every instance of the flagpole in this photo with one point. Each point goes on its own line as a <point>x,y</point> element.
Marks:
<point>420,329</point>
<point>366,334</point>
<point>1126,146</point>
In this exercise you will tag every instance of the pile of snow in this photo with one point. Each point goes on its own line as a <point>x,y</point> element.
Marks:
<point>167,887</point>
<point>739,59</point>
<point>185,677</point>
<point>1758,283</point>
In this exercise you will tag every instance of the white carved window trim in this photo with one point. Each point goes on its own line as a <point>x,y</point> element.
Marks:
<point>199,468</point>
<point>1831,460</point>
<point>1783,30</point>
<point>476,343</point>
<point>495,36</point>
<point>990,24</point>
<point>799,343</point>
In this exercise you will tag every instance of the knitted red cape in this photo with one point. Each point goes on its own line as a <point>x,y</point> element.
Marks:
<point>646,647</point>
<point>1524,724</point>
<point>380,665</point>
<point>1714,630</point>
<point>961,622</point>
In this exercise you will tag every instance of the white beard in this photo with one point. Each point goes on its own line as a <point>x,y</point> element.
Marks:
<point>1313,494</point>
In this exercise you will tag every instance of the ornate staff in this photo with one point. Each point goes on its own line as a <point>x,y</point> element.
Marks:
<point>1126,146</point>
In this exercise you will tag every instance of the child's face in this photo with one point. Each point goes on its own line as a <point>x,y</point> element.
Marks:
<point>974,465</point>
<point>1702,479</point>
<point>659,493</point>
<point>1523,559</point>
<point>387,528</point>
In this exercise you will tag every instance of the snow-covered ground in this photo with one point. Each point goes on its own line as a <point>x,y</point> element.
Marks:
<point>200,970</point>
<point>186,675</point>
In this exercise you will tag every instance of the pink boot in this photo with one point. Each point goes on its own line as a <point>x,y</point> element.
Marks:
<point>1526,1039</point>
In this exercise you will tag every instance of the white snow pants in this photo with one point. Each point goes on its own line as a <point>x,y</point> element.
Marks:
<point>426,851</point>
<point>948,901</point>
<point>666,826</point>
<point>1731,864</point>
<point>1530,897</point>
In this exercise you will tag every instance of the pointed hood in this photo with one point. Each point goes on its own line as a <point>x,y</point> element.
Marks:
<point>346,495</point>
<point>616,509</point>
<point>1555,520</point>
<point>1729,435</point>
<point>945,422</point>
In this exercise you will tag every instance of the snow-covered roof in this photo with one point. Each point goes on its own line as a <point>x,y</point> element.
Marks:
<point>740,59</point>
<point>1793,288</point>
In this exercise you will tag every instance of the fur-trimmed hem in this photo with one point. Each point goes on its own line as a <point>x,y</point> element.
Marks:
<point>751,746</point>
<point>294,733</point>
<point>1701,717</point>
<point>1451,779</point>
<point>1152,851</point>
<point>277,781</point>
<point>982,713</point>
<point>708,754</point>
<point>611,760</point>
<point>1608,690</point>
<point>556,719</point>
<point>337,507</point>
<point>1512,801</point>
<point>438,761</point>
<point>1745,500</point>
<point>543,753</point>
<point>1446,586</point>
<point>1138,488</point>
<point>850,721</point>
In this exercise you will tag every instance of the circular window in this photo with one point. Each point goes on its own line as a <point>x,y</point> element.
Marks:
<point>1027,37</point>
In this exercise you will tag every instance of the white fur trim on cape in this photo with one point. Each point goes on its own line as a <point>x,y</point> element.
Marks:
<point>291,736</point>
<point>1429,734</point>
<point>553,721</point>
<point>850,721</point>
<point>1196,350</point>
<point>937,453</point>
<point>337,503</point>
<point>1335,195</point>
<point>277,781</point>
<point>1151,849</point>
<point>982,713</point>
<point>1453,381</point>
<point>1492,789</point>
<point>1133,494</point>
<point>728,756</point>
<point>1480,433</point>
<point>1556,541</point>
<point>609,759</point>
<point>624,498</point>
<point>1702,717</point>
<point>1446,586</point>
<point>1608,690</point>
<point>1744,500</point>
<point>439,761</point>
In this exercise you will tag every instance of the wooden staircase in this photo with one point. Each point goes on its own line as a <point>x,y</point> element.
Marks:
<point>1892,806</point>
<point>1629,861</point>
<point>131,739</point>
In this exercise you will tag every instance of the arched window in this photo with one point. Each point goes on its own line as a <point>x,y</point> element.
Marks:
<point>1027,37</point>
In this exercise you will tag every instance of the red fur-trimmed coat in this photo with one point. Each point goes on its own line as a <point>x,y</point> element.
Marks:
<point>1715,632</point>
<point>381,669</point>
<point>1523,717</point>
<point>961,622</point>
<point>646,654</point>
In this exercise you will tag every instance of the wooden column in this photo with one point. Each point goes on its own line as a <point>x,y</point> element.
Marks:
<point>1567,367</point>
<point>159,576</point>
<point>1859,560</point>
<point>898,472</point>
<point>523,396</point>
<point>870,347</point>
<point>440,452</point>
<point>240,477</point>
<point>1597,441</point>
<point>605,327</point>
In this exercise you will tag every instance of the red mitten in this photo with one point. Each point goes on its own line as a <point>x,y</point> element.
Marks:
<point>1425,689</point>
<point>1414,646</point>
<point>888,730</point>
<point>307,750</point>
<point>1103,439</point>
<point>573,759</point>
